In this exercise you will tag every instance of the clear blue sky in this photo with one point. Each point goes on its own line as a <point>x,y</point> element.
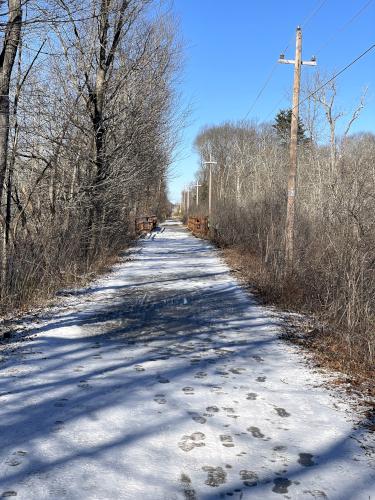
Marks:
<point>231,47</point>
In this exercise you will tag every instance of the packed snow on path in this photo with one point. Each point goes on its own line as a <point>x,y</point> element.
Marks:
<point>165,380</point>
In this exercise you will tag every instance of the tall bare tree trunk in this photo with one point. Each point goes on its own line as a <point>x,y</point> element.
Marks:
<point>97,95</point>
<point>7,58</point>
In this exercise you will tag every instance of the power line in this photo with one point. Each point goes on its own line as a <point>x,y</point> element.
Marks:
<point>52,54</point>
<point>344,26</point>
<point>339,30</point>
<point>263,88</point>
<point>51,21</point>
<point>274,109</point>
<point>265,85</point>
<point>338,73</point>
<point>307,19</point>
<point>313,13</point>
<point>327,82</point>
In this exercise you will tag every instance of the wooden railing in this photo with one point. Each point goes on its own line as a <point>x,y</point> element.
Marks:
<point>198,225</point>
<point>146,224</point>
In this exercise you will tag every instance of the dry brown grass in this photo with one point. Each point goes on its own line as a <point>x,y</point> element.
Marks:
<point>36,303</point>
<point>313,332</point>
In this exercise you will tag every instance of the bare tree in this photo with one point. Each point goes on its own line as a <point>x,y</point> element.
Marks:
<point>8,53</point>
<point>93,131</point>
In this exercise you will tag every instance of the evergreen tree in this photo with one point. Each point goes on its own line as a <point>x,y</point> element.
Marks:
<point>282,124</point>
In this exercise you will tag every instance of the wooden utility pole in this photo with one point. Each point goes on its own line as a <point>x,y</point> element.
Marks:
<point>183,206</point>
<point>210,192</point>
<point>210,163</point>
<point>197,198</point>
<point>290,213</point>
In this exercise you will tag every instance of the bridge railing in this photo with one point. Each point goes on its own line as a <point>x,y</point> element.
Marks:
<point>146,223</point>
<point>198,225</point>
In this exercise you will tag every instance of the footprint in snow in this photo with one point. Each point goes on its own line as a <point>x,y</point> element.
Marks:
<point>255,431</point>
<point>13,462</point>
<point>160,399</point>
<point>281,412</point>
<point>215,476</point>
<point>226,441</point>
<point>280,448</point>
<point>281,485</point>
<point>195,440</point>
<point>222,373</point>
<point>9,493</point>
<point>230,412</point>
<point>212,409</point>
<point>139,368</point>
<point>306,459</point>
<point>241,454</point>
<point>249,477</point>
<point>237,371</point>
<point>188,490</point>
<point>195,360</point>
<point>15,459</point>
<point>252,396</point>
<point>231,493</point>
<point>223,352</point>
<point>163,380</point>
<point>83,384</point>
<point>197,417</point>
<point>200,375</point>
<point>188,390</point>
<point>20,453</point>
<point>316,493</point>
<point>216,389</point>
<point>261,379</point>
<point>228,409</point>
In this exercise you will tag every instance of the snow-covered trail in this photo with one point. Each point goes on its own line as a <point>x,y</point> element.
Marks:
<point>166,381</point>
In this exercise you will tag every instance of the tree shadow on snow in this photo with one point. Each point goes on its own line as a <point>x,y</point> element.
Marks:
<point>65,378</point>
